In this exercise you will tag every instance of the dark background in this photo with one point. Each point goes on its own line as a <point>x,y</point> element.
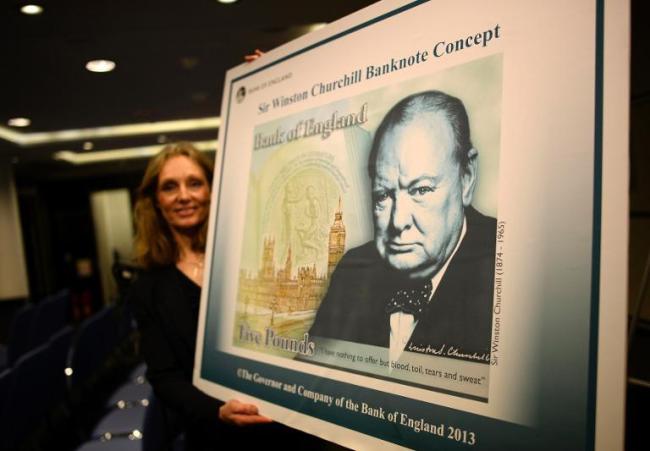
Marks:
<point>171,58</point>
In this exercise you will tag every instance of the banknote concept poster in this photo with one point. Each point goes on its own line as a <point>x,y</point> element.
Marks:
<point>408,229</point>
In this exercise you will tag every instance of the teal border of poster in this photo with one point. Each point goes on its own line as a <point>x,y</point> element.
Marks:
<point>596,235</point>
<point>493,433</point>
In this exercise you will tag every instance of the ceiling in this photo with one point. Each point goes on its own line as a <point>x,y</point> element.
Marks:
<point>171,59</point>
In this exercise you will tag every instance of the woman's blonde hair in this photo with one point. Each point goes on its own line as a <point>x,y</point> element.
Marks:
<point>154,242</point>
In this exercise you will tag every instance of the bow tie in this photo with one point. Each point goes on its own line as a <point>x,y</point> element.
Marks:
<point>410,300</point>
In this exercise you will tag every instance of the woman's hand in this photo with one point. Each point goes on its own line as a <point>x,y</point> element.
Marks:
<point>241,414</point>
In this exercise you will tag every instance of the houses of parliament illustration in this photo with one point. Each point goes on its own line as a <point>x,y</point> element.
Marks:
<point>276,289</point>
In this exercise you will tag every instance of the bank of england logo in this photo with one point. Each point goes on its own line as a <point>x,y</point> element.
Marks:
<point>241,94</point>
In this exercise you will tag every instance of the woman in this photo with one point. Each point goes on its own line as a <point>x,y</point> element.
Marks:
<point>171,214</point>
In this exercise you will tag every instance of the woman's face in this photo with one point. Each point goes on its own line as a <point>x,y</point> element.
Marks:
<point>183,193</point>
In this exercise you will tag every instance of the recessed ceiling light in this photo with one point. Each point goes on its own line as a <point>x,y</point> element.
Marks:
<point>226,1</point>
<point>19,122</point>
<point>31,9</point>
<point>88,145</point>
<point>100,65</point>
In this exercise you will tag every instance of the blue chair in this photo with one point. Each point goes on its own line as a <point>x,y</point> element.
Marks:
<point>6,380</point>
<point>121,422</point>
<point>6,377</point>
<point>29,397</point>
<point>51,316</point>
<point>129,395</point>
<point>59,349</point>
<point>136,428</point>
<point>114,444</point>
<point>95,339</point>
<point>19,340</point>
<point>109,329</point>
<point>139,374</point>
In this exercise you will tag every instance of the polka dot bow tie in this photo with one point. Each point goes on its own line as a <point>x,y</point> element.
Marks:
<point>410,300</point>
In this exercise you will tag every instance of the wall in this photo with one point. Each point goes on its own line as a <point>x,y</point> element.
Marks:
<point>13,273</point>
<point>113,222</point>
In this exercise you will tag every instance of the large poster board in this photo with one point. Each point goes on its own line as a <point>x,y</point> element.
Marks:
<point>409,229</point>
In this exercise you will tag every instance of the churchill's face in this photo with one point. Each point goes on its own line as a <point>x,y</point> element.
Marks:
<point>419,194</point>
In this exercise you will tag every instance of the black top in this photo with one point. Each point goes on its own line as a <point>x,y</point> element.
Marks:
<point>166,304</point>
<point>192,293</point>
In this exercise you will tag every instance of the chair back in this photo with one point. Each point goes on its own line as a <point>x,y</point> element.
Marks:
<point>29,398</point>
<point>94,341</point>
<point>6,379</point>
<point>59,346</point>
<point>19,340</point>
<point>51,316</point>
